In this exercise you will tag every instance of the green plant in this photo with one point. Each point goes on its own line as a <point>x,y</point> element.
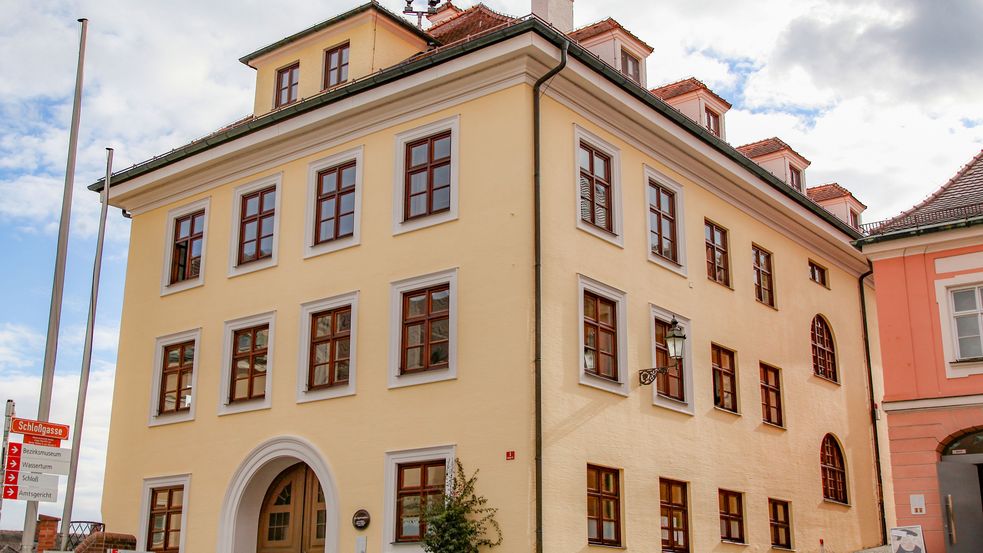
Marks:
<point>461,523</point>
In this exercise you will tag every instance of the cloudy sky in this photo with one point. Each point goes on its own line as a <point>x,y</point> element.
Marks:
<point>882,95</point>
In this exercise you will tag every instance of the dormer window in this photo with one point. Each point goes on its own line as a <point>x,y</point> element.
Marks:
<point>630,66</point>
<point>287,83</point>
<point>795,178</point>
<point>336,66</point>
<point>713,122</point>
<point>854,219</point>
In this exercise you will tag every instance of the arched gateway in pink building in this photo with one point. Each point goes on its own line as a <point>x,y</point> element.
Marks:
<point>928,270</point>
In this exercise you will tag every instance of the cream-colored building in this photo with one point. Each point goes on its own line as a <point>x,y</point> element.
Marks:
<point>375,274</point>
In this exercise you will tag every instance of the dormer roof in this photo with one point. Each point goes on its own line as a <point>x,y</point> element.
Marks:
<point>474,20</point>
<point>685,86</point>
<point>605,26</point>
<point>831,191</point>
<point>768,146</point>
<point>444,11</point>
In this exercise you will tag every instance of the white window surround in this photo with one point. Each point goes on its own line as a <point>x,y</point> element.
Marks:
<point>154,418</point>
<point>587,284</point>
<point>397,380</point>
<point>303,362</point>
<point>686,406</point>
<point>393,460</point>
<point>662,179</point>
<point>149,484</point>
<point>311,249</point>
<point>943,297</point>
<point>165,277</point>
<point>616,236</point>
<point>224,406</point>
<point>452,124</point>
<point>234,268</point>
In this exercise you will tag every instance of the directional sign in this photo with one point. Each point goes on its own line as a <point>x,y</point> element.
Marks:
<point>13,463</point>
<point>43,495</point>
<point>10,478</point>
<point>13,450</point>
<point>33,480</point>
<point>49,460</point>
<point>39,428</point>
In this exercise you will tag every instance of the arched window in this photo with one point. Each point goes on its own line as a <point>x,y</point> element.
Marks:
<point>834,471</point>
<point>823,351</point>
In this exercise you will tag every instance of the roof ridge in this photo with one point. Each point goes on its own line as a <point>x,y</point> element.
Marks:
<point>683,80</point>
<point>945,186</point>
<point>463,12</point>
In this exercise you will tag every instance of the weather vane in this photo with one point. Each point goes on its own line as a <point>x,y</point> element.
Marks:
<point>431,9</point>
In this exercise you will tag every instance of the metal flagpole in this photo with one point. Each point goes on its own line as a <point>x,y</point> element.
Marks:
<point>7,415</point>
<point>66,516</point>
<point>58,286</point>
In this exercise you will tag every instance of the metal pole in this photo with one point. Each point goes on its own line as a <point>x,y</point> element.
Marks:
<point>66,516</point>
<point>7,415</point>
<point>58,286</point>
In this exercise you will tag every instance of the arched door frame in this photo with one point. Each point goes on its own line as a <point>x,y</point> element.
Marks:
<point>239,518</point>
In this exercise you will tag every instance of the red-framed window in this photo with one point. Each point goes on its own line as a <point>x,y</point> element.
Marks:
<point>600,336</point>
<point>428,176</point>
<point>731,516</point>
<point>718,264</point>
<point>833,469</point>
<point>603,506</point>
<point>818,274</point>
<point>669,384</point>
<point>764,281</point>
<point>426,329</point>
<point>662,222</point>
<point>287,84</point>
<point>724,378</point>
<point>335,210</point>
<point>189,237</point>
<point>249,361</point>
<point>330,350</point>
<point>795,178</point>
<point>256,225</point>
<point>336,65</point>
<point>596,204</point>
<point>418,485</point>
<point>823,350</point>
<point>631,66</point>
<point>674,516</point>
<point>176,374</point>
<point>713,122</point>
<point>780,523</point>
<point>771,396</point>
<point>854,219</point>
<point>164,526</point>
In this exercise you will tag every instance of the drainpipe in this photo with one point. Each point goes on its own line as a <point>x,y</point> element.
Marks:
<point>537,219</point>
<point>873,404</point>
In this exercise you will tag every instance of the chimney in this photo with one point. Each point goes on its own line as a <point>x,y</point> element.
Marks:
<point>558,13</point>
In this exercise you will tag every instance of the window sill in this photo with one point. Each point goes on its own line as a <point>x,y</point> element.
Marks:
<point>672,404</point>
<point>181,286</point>
<point>606,546</point>
<point>422,377</point>
<point>171,418</point>
<point>782,548</point>
<point>611,237</point>
<point>330,246</point>
<point>824,379</point>
<point>759,302</point>
<point>244,406</point>
<point>320,394</point>
<point>604,384</point>
<point>409,225</point>
<point>837,503</point>
<point>733,542</point>
<point>667,263</point>
<point>717,282</point>
<point>773,425</point>
<point>728,411</point>
<point>252,266</point>
<point>826,286</point>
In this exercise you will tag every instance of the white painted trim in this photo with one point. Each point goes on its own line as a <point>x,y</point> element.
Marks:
<point>225,370</point>
<point>615,237</point>
<point>665,180</point>
<point>306,311</point>
<point>452,124</point>
<point>950,348</point>
<point>183,480</point>
<point>688,405</point>
<point>587,284</point>
<point>154,418</point>
<point>239,517</point>
<point>265,182</point>
<point>310,249</point>
<point>393,460</point>
<point>398,288</point>
<point>166,287</point>
<point>933,403</point>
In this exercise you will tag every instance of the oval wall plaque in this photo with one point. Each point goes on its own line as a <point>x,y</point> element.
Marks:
<point>361,519</point>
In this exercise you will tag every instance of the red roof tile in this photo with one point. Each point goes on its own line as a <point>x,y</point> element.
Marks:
<point>830,191</point>
<point>767,146</point>
<point>604,26</point>
<point>474,20</point>
<point>685,86</point>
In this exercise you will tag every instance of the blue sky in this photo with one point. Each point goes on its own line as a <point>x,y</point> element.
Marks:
<point>872,91</point>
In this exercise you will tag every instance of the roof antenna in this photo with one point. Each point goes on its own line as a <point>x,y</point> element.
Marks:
<point>431,9</point>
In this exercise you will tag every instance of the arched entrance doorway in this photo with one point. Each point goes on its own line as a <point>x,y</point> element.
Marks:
<point>293,517</point>
<point>961,483</point>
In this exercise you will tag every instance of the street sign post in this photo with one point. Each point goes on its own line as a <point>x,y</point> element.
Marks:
<point>39,428</point>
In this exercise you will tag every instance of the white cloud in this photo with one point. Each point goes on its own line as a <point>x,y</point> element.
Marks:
<point>19,347</point>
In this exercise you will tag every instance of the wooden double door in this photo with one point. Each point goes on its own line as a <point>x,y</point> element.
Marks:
<point>293,517</point>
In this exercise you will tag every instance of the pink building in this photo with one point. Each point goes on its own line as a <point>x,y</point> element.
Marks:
<point>928,271</point>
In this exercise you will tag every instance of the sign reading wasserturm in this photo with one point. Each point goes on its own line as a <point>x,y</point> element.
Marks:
<point>47,460</point>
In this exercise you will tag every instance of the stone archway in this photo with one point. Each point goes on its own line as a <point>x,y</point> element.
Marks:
<point>239,518</point>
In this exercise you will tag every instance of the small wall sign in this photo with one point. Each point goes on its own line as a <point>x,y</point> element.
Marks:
<point>361,519</point>
<point>510,456</point>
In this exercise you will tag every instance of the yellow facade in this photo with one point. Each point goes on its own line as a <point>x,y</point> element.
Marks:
<point>488,409</point>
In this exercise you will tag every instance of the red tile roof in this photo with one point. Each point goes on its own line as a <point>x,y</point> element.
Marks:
<point>831,191</point>
<point>474,20</point>
<point>960,198</point>
<point>604,26</point>
<point>685,86</point>
<point>767,146</point>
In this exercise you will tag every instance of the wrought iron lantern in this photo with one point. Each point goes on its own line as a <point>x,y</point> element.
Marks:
<point>675,340</point>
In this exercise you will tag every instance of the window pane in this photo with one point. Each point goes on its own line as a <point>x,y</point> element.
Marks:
<point>418,182</point>
<point>435,475</point>
<point>440,301</point>
<point>418,205</point>
<point>322,326</point>
<point>341,371</point>
<point>968,326</point>
<point>964,300</point>
<point>439,330</point>
<point>348,176</point>
<point>414,335</point>
<point>584,158</point>
<point>328,208</point>
<point>252,206</point>
<point>442,148</point>
<point>441,198</point>
<point>439,354</point>
<point>442,176</point>
<point>970,348</point>
<point>320,375</point>
<point>418,154</point>
<point>329,182</point>
<point>344,321</point>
